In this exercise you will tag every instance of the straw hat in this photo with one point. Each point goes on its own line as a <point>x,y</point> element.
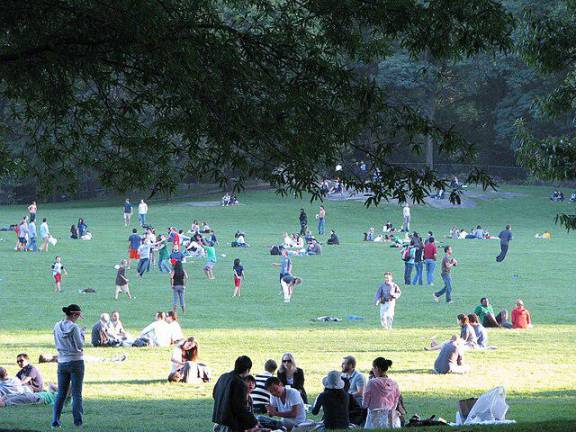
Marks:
<point>333,380</point>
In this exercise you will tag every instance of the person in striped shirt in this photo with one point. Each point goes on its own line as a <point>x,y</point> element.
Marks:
<point>260,396</point>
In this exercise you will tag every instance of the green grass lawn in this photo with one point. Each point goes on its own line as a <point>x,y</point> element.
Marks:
<point>537,367</point>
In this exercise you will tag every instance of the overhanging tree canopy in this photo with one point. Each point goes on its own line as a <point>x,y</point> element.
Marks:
<point>143,92</point>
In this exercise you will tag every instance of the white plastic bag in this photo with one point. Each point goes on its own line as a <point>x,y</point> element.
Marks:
<point>490,408</point>
<point>52,241</point>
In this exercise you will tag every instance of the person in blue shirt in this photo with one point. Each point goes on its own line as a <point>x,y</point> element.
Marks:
<point>82,227</point>
<point>505,237</point>
<point>127,212</point>
<point>134,242</point>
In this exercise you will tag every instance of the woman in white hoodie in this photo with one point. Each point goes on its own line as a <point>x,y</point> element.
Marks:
<point>69,339</point>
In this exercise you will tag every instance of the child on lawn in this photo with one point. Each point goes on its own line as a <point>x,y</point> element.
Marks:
<point>57,270</point>
<point>121,280</point>
<point>238,276</point>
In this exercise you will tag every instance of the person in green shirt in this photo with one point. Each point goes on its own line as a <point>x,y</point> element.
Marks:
<point>210,260</point>
<point>163,255</point>
<point>485,313</point>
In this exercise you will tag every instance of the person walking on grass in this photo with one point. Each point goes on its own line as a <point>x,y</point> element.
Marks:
<point>144,254</point>
<point>134,242</point>
<point>57,271</point>
<point>127,212</point>
<point>505,237</point>
<point>142,212</point>
<point>69,340</point>
<point>45,235</point>
<point>447,263</point>
<point>178,278</point>
<point>238,277</point>
<point>210,260</point>
<point>386,297</point>
<point>122,280</point>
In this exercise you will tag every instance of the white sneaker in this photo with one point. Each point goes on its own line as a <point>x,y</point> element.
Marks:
<point>436,299</point>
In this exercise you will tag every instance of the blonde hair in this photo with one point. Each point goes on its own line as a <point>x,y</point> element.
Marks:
<point>282,368</point>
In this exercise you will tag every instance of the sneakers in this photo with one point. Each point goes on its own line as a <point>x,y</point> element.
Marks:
<point>436,299</point>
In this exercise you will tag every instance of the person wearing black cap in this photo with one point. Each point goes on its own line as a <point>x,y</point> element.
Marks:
<point>69,340</point>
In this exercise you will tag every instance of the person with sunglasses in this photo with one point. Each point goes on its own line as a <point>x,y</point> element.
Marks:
<point>28,374</point>
<point>291,375</point>
<point>69,340</point>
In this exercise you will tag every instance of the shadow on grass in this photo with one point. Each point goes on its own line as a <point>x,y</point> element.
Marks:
<point>142,382</point>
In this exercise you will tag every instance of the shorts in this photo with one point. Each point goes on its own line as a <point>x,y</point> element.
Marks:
<point>237,282</point>
<point>22,240</point>
<point>58,277</point>
<point>133,254</point>
<point>209,265</point>
<point>122,288</point>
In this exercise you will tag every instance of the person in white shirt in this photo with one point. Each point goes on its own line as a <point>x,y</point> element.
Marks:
<point>159,332</point>
<point>176,334</point>
<point>142,212</point>
<point>406,218</point>
<point>44,235</point>
<point>285,403</point>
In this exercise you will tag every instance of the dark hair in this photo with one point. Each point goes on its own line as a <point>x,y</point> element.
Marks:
<point>175,377</point>
<point>44,220</point>
<point>71,309</point>
<point>463,318</point>
<point>270,366</point>
<point>134,230</point>
<point>473,318</point>
<point>23,355</point>
<point>483,298</point>
<point>242,364</point>
<point>3,373</point>
<point>172,315</point>
<point>508,227</point>
<point>431,240</point>
<point>430,232</point>
<point>272,381</point>
<point>446,248</point>
<point>236,262</point>
<point>249,378</point>
<point>350,360</point>
<point>382,363</point>
<point>178,269</point>
<point>192,353</point>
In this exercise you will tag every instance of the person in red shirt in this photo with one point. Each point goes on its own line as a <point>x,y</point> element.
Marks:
<point>521,318</point>
<point>430,253</point>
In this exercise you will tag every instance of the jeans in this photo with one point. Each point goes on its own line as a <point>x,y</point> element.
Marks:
<point>70,372</point>
<point>430,267</point>
<point>503,252</point>
<point>142,218</point>
<point>32,244</point>
<point>143,265</point>
<point>418,276</point>
<point>408,272</point>
<point>321,226</point>
<point>406,224</point>
<point>178,296</point>
<point>447,288</point>
<point>164,266</point>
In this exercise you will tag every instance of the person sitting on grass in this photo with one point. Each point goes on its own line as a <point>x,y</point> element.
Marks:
<point>333,239</point>
<point>314,248</point>
<point>176,334</point>
<point>573,197</point>
<point>369,236</point>
<point>117,331</point>
<point>480,331</point>
<point>240,240</point>
<point>74,232</point>
<point>450,358</point>
<point>381,397</point>
<point>334,401</point>
<point>467,333</point>
<point>158,333</point>
<point>39,398</point>
<point>101,335</point>
<point>28,374</point>
<point>486,315</point>
<point>185,366</point>
<point>11,386</point>
<point>521,318</point>
<point>291,375</point>
<point>285,403</point>
<point>250,382</point>
<point>260,396</point>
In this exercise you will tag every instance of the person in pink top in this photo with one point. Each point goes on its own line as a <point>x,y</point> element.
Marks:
<point>381,397</point>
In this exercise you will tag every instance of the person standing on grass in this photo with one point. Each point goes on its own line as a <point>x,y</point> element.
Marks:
<point>44,234</point>
<point>134,242</point>
<point>32,237</point>
<point>69,340</point>
<point>418,263</point>
<point>22,235</point>
<point>285,266</point>
<point>505,237</point>
<point>142,212</point>
<point>164,264</point>
<point>386,297</point>
<point>303,218</point>
<point>127,212</point>
<point>144,254</point>
<point>406,218</point>
<point>408,255</point>
<point>447,263</point>
<point>321,220</point>
<point>238,276</point>
<point>32,209</point>
<point>57,270</point>
<point>430,253</point>
<point>122,281</point>
<point>178,278</point>
<point>210,260</point>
